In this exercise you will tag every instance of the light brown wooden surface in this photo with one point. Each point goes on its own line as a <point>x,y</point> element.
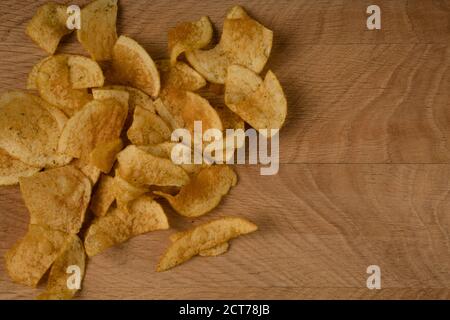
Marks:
<point>365,158</point>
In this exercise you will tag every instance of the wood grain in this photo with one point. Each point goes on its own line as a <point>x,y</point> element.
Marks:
<point>365,159</point>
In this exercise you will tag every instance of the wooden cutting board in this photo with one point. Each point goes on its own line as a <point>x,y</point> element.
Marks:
<point>364,174</point>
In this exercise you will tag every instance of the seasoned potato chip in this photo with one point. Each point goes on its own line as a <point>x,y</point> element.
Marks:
<point>32,76</point>
<point>30,129</point>
<point>144,215</point>
<point>133,66</point>
<point>104,155</point>
<point>179,76</point>
<point>30,258</point>
<point>263,106</point>
<point>103,196</point>
<point>125,192</point>
<point>57,198</point>
<point>72,255</point>
<point>141,168</point>
<point>204,192</point>
<point>244,42</point>
<point>98,28</point>
<point>97,123</point>
<point>11,169</point>
<point>84,73</point>
<point>204,237</point>
<point>213,252</point>
<point>148,128</point>
<point>48,26</point>
<point>93,173</point>
<point>53,83</point>
<point>121,96</point>
<point>188,36</point>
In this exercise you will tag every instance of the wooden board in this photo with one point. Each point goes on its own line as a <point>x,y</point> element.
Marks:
<point>364,158</point>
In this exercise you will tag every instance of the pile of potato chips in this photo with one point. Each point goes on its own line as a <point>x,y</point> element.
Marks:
<point>92,151</point>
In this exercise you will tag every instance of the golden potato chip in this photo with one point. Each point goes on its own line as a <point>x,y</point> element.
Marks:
<point>204,237</point>
<point>144,215</point>
<point>125,192</point>
<point>213,252</point>
<point>84,73</point>
<point>30,258</point>
<point>188,36</point>
<point>11,169</point>
<point>121,96</point>
<point>179,76</point>
<point>48,26</point>
<point>104,155</point>
<point>57,198</point>
<point>133,66</point>
<point>141,168</point>
<point>244,42</point>
<point>165,114</point>
<point>103,196</point>
<point>53,83</point>
<point>30,129</point>
<point>148,128</point>
<point>99,122</point>
<point>32,76</point>
<point>72,259</point>
<point>93,173</point>
<point>204,192</point>
<point>98,28</point>
<point>263,107</point>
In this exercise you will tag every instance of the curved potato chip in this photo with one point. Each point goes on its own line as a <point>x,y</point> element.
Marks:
<point>133,66</point>
<point>188,36</point>
<point>30,258</point>
<point>57,198</point>
<point>103,196</point>
<point>97,123</point>
<point>141,168</point>
<point>144,215</point>
<point>125,192</point>
<point>32,76</point>
<point>179,76</point>
<point>93,173</point>
<point>104,155</point>
<point>30,129</point>
<point>48,26</point>
<point>147,128</point>
<point>72,255</point>
<point>11,169</point>
<point>53,83</point>
<point>204,237</point>
<point>84,73</point>
<point>98,28</point>
<point>263,107</point>
<point>244,41</point>
<point>213,252</point>
<point>204,192</point>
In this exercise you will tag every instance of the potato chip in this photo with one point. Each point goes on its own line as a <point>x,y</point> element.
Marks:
<point>84,73</point>
<point>104,155</point>
<point>141,168</point>
<point>103,197</point>
<point>30,129</point>
<point>263,107</point>
<point>148,128</point>
<point>53,83</point>
<point>98,28</point>
<point>57,198</point>
<point>30,258</point>
<point>11,169</point>
<point>188,36</point>
<point>244,42</point>
<point>99,122</point>
<point>133,66</point>
<point>165,114</point>
<point>204,237</point>
<point>125,192</point>
<point>204,192</point>
<point>63,271</point>
<point>144,215</point>
<point>121,96</point>
<point>32,76</point>
<point>93,173</point>
<point>48,26</point>
<point>179,76</point>
<point>213,252</point>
